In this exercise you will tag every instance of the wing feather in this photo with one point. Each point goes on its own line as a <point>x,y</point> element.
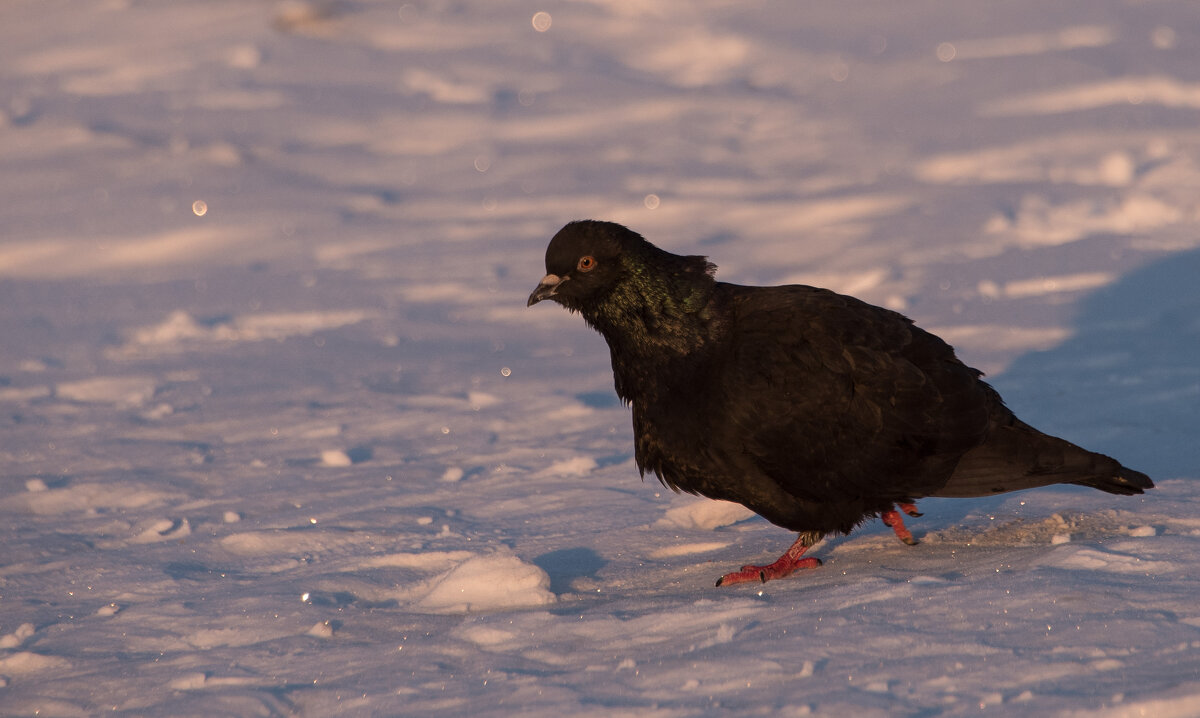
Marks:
<point>836,399</point>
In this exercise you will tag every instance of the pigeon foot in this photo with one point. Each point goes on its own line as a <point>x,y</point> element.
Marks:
<point>785,565</point>
<point>896,522</point>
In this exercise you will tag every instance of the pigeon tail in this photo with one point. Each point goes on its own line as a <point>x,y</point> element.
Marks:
<point>1017,456</point>
<point>1126,482</point>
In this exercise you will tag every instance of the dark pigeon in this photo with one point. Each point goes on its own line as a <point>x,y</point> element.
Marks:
<point>813,409</point>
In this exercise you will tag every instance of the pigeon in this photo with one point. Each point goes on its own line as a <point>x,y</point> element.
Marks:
<point>815,410</point>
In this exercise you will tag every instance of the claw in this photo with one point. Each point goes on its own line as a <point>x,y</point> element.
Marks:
<point>910,509</point>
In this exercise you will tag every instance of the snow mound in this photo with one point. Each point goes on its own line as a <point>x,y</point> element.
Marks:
<point>1181,706</point>
<point>17,637</point>
<point>27,662</point>
<point>335,458</point>
<point>704,514</point>
<point>1154,90</point>
<point>1092,559</point>
<point>180,330</point>
<point>93,496</point>
<point>687,549</point>
<point>489,583</point>
<point>122,390</point>
<point>578,466</point>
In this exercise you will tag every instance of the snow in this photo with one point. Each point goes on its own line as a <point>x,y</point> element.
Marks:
<point>703,514</point>
<point>282,438</point>
<point>489,583</point>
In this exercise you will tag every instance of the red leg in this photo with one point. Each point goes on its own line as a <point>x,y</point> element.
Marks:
<point>787,563</point>
<point>910,509</point>
<point>893,519</point>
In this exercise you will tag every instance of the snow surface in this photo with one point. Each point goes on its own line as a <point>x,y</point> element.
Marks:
<point>281,437</point>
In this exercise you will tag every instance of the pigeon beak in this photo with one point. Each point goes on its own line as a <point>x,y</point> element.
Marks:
<point>548,288</point>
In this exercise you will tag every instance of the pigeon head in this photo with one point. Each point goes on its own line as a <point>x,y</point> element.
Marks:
<point>583,263</point>
<point>634,293</point>
<point>587,261</point>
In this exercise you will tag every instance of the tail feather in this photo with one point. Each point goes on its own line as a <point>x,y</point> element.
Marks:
<point>1126,483</point>
<point>1017,456</point>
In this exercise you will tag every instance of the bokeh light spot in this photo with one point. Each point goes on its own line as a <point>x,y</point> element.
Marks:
<point>199,208</point>
<point>541,21</point>
<point>651,201</point>
<point>1163,37</point>
<point>946,52</point>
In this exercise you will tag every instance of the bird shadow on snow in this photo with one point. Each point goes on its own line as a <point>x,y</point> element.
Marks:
<point>1127,382</point>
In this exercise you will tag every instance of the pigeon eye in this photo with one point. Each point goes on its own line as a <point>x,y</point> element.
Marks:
<point>587,263</point>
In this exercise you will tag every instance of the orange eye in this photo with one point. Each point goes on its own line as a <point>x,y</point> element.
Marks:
<point>587,263</point>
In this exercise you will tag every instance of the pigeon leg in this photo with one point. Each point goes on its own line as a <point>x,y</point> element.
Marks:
<point>787,563</point>
<point>893,519</point>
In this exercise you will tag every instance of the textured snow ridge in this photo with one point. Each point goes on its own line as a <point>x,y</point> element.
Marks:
<point>180,331</point>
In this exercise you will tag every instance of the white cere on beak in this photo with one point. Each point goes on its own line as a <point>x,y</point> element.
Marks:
<point>547,288</point>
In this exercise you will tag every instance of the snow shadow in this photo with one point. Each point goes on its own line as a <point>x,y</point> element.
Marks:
<point>1127,383</point>
<point>566,565</point>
